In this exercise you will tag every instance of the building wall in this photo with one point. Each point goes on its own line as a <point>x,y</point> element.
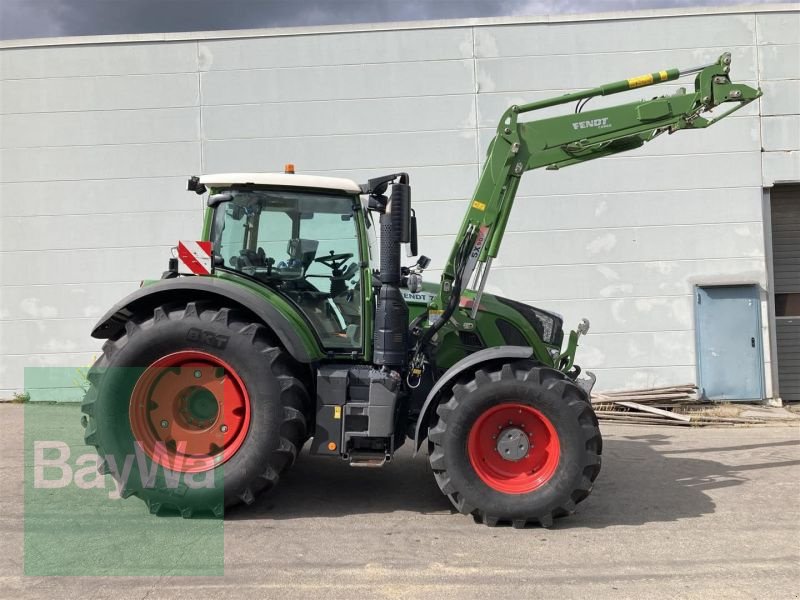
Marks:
<point>98,139</point>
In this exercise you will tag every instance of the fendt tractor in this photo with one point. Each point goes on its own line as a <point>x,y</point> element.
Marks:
<point>292,318</point>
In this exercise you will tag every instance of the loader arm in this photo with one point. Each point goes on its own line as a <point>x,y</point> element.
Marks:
<point>570,139</point>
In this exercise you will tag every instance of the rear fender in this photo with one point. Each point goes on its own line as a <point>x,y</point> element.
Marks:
<point>445,382</point>
<point>189,289</point>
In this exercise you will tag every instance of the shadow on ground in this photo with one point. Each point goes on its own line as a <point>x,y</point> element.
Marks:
<point>644,479</point>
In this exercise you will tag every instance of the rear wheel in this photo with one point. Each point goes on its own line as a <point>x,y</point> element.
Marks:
<point>515,443</point>
<point>194,408</point>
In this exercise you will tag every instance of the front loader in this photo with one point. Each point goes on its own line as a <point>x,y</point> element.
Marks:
<point>292,319</point>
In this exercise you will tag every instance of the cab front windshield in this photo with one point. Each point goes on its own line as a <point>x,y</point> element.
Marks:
<point>304,245</point>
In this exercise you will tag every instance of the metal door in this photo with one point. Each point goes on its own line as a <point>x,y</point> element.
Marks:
<point>730,362</point>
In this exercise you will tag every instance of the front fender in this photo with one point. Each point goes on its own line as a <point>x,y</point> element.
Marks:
<point>465,364</point>
<point>188,289</point>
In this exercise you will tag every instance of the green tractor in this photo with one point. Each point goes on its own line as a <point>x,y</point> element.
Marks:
<point>293,319</point>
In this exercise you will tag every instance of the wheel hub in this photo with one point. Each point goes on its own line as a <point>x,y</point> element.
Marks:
<point>513,444</point>
<point>199,407</point>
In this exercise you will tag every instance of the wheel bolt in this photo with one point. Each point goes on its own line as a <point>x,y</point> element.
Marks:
<point>494,437</point>
<point>164,424</point>
<point>223,428</point>
<point>197,374</point>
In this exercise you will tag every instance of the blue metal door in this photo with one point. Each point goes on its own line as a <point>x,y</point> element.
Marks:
<point>730,362</point>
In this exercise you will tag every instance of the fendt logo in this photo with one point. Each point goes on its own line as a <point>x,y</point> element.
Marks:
<point>595,123</point>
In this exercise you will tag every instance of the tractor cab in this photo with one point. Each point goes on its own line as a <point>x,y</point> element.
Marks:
<point>302,236</point>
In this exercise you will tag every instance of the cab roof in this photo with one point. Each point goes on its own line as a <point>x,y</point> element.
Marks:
<point>281,180</point>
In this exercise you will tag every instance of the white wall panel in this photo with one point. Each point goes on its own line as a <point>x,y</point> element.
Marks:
<point>612,37</point>
<point>99,162</point>
<point>93,61</point>
<point>62,301</point>
<point>620,245</point>
<point>93,265</point>
<point>781,97</point>
<point>624,315</point>
<point>622,280</point>
<point>45,336</point>
<point>336,49</point>
<point>339,117</point>
<point>603,210</point>
<point>781,167</point>
<point>637,350</point>
<point>781,133</point>
<point>780,62</point>
<point>96,196</point>
<point>643,377</point>
<point>778,28</point>
<point>121,230</point>
<point>338,82</point>
<point>342,152</point>
<point>428,183</point>
<point>30,130</point>
<point>98,93</point>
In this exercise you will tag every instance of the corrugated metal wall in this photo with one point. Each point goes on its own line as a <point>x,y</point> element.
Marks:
<point>785,203</point>
<point>98,139</point>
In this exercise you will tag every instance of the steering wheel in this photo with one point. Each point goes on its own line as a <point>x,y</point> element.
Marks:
<point>334,261</point>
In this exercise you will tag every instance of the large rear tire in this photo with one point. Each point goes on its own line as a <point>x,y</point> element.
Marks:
<point>202,404</point>
<point>515,443</point>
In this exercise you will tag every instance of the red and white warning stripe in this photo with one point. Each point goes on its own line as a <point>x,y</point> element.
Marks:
<point>194,257</point>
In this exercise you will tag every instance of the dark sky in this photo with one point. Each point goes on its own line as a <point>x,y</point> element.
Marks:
<point>47,18</point>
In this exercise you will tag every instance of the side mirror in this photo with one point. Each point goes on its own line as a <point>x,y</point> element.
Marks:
<point>401,211</point>
<point>413,246</point>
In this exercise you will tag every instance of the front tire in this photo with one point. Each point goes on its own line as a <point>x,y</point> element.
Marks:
<point>201,403</point>
<point>515,443</point>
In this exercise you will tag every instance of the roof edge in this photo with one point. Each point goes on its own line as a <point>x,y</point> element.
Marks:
<point>190,36</point>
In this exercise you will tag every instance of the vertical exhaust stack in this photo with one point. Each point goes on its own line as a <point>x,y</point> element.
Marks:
<point>391,315</point>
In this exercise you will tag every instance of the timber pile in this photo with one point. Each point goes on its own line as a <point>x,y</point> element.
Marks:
<point>670,405</point>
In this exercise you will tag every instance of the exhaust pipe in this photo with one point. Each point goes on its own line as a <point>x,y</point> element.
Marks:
<point>391,315</point>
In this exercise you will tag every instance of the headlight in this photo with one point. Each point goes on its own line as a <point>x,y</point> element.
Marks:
<point>546,324</point>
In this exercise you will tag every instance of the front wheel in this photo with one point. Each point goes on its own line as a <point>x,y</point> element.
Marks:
<point>194,408</point>
<point>515,443</point>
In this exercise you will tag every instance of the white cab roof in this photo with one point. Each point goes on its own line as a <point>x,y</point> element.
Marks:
<point>282,180</point>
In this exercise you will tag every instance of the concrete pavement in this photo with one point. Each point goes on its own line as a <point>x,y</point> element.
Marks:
<point>676,513</point>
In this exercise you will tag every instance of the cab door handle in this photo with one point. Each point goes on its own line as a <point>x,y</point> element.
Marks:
<point>752,342</point>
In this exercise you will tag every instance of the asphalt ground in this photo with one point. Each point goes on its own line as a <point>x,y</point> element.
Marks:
<point>676,513</point>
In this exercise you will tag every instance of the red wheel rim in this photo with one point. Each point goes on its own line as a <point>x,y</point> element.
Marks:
<point>189,411</point>
<point>513,448</point>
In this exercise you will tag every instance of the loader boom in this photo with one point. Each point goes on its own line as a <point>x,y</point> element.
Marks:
<point>570,139</point>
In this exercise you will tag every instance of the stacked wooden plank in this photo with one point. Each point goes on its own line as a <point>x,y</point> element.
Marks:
<point>669,405</point>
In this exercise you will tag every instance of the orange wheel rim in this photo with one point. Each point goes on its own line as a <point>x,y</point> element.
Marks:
<point>189,411</point>
<point>513,448</point>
